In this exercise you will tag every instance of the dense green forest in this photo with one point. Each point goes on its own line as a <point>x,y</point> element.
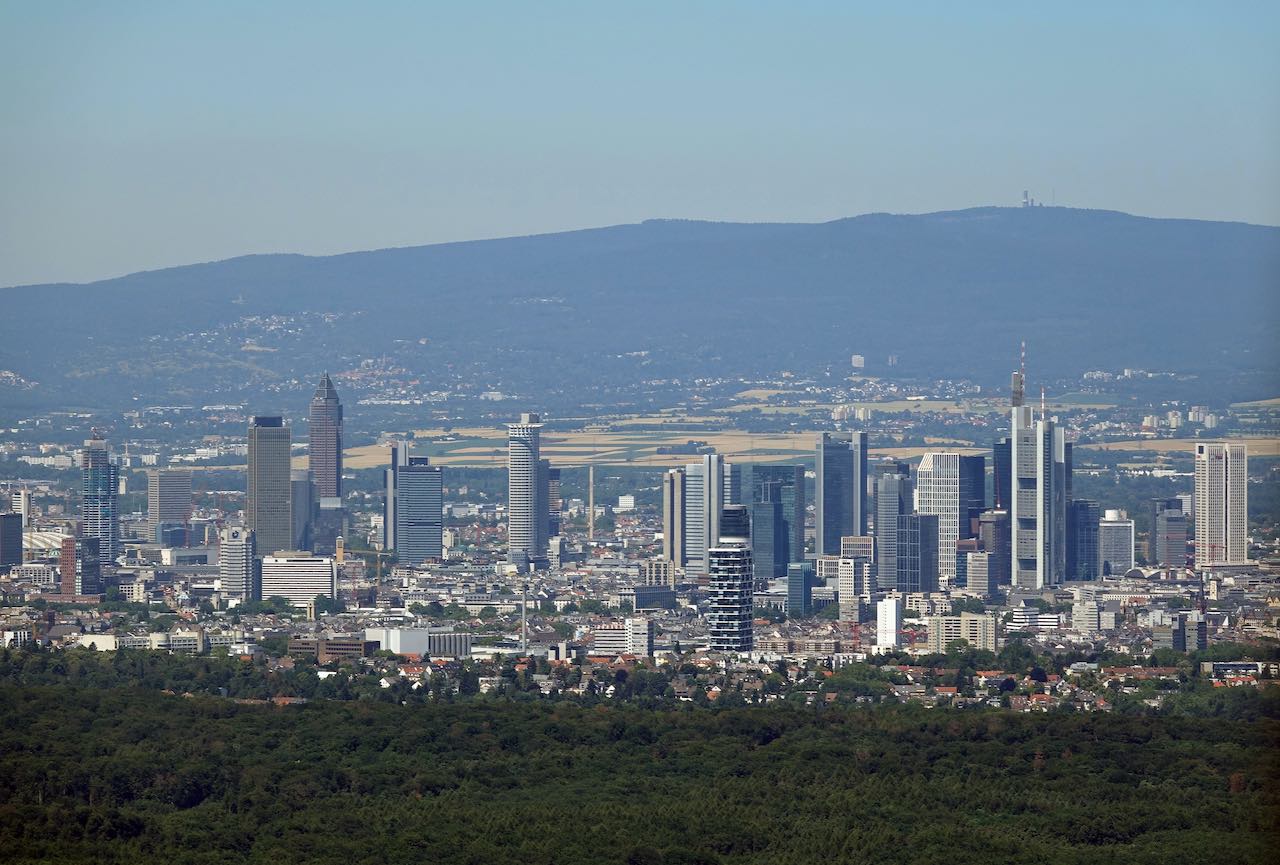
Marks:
<point>135,775</point>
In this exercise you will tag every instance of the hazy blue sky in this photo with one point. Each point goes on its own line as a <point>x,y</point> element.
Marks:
<point>139,135</point>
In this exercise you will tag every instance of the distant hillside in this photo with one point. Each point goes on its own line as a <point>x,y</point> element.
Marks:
<point>949,293</point>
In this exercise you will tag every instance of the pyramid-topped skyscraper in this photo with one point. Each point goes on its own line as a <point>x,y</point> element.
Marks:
<point>325,446</point>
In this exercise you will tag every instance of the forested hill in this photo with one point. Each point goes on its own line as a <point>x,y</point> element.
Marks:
<point>948,293</point>
<point>127,775</point>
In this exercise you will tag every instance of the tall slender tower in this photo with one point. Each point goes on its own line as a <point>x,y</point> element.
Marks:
<point>268,508</point>
<point>1037,500</point>
<point>673,517</point>
<point>235,563</point>
<point>1221,503</point>
<point>526,505</point>
<point>705,490</point>
<point>399,459</point>
<point>840,489</point>
<point>100,496</point>
<point>324,449</point>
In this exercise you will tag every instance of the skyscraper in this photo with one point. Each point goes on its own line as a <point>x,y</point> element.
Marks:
<point>1167,541</point>
<point>168,499</point>
<point>994,534</point>
<point>268,507</point>
<point>1038,507</point>
<point>1221,503</point>
<point>236,563</point>
<point>730,587</point>
<point>1082,552</point>
<point>303,506</point>
<point>10,540</point>
<point>783,484</point>
<point>299,578</point>
<point>419,511</point>
<point>100,491</point>
<point>799,589</point>
<point>526,493</point>
<point>917,559</point>
<point>399,458</point>
<point>555,502</point>
<point>706,493</point>
<point>950,486</point>
<point>840,489</point>
<point>893,499</point>
<point>768,537</point>
<point>79,566</point>
<point>1115,543</point>
<point>673,549</point>
<point>324,445</point>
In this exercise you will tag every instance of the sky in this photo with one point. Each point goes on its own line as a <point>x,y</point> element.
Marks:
<point>142,135</point>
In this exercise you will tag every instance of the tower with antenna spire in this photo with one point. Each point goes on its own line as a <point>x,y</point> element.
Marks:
<point>1019,379</point>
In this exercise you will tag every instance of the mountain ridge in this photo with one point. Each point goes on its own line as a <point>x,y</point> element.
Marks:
<point>1089,288</point>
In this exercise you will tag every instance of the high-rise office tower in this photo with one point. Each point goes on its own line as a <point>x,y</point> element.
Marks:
<point>799,589</point>
<point>893,499</point>
<point>995,538</point>
<point>730,586</point>
<point>1001,473</point>
<point>977,571</point>
<point>1167,542</point>
<point>236,563</point>
<point>324,445</point>
<point>79,566</point>
<point>303,507</point>
<point>10,540</point>
<point>840,490</point>
<point>853,586</point>
<point>1082,551</point>
<point>399,458</point>
<point>1115,543</point>
<point>526,493</point>
<point>419,511</point>
<point>21,504</point>
<point>917,559</point>
<point>1221,503</point>
<point>555,502</point>
<point>268,509</point>
<point>100,496</point>
<point>168,499</point>
<point>783,484</point>
<point>673,509</point>
<point>951,487</point>
<point>706,493</point>
<point>768,536</point>
<point>1038,507</point>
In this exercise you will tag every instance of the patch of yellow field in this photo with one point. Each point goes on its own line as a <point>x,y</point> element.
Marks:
<point>759,393</point>
<point>1258,403</point>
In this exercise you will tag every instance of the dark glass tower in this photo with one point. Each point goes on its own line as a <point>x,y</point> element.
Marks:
<point>840,490</point>
<point>893,499</point>
<point>1082,552</point>
<point>100,496</point>
<point>783,484</point>
<point>917,553</point>
<point>325,446</point>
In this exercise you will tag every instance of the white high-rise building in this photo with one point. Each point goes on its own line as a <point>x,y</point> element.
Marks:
<point>950,486</point>
<point>299,577</point>
<point>854,586</point>
<point>21,504</point>
<point>1221,503</point>
<point>888,623</point>
<point>527,522</point>
<point>235,563</point>
<point>1038,506</point>
<point>708,487</point>
<point>1115,543</point>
